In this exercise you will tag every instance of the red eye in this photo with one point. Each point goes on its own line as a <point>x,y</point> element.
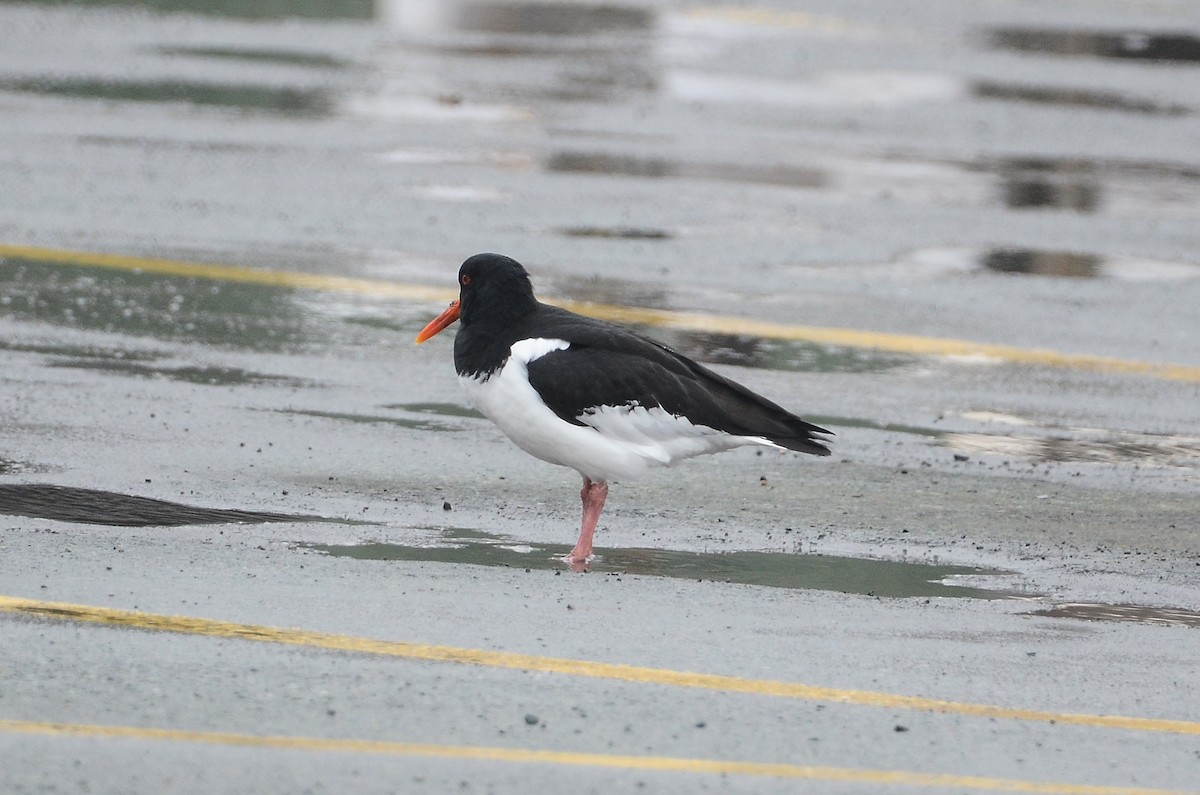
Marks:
<point>465,280</point>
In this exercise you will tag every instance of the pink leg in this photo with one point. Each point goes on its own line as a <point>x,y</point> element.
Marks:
<point>592,494</point>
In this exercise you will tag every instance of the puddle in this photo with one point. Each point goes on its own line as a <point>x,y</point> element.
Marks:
<point>1118,187</point>
<point>243,9</point>
<point>91,506</point>
<point>937,262</point>
<point>1020,193</point>
<point>666,168</point>
<point>600,52</point>
<point>616,232</point>
<point>1116,448</point>
<point>541,19</point>
<point>273,318</point>
<point>1163,616</point>
<point>1075,98</point>
<point>773,569</point>
<point>281,57</point>
<point>1128,45</point>
<point>1041,263</point>
<point>251,98</point>
<point>439,409</point>
<point>254,317</point>
<point>1109,447</point>
<point>208,376</point>
<point>80,352</point>
<point>372,419</point>
<point>1092,185</point>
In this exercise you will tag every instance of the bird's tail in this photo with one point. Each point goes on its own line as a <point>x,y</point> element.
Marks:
<point>803,437</point>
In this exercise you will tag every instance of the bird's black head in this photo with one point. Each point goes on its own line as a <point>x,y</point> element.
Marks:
<point>493,289</point>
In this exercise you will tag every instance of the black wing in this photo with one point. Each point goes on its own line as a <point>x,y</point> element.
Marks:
<point>607,365</point>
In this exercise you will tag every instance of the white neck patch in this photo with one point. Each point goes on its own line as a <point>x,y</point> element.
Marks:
<point>527,351</point>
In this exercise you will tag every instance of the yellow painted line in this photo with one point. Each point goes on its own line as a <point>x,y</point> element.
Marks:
<point>884,341</point>
<point>229,273</point>
<point>661,764</point>
<point>910,344</point>
<point>558,665</point>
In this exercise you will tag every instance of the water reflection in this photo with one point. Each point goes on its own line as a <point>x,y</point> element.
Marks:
<point>303,58</point>
<point>543,19</point>
<point>932,263</point>
<point>1045,182</point>
<point>585,52</point>
<point>253,98</point>
<point>205,376</point>
<point>1041,263</point>
<point>1088,611</point>
<point>1075,98</point>
<point>83,352</point>
<point>1024,193</point>
<point>661,167</point>
<point>1029,182</point>
<point>1084,445</point>
<point>244,9</point>
<point>617,232</point>
<point>1083,185</point>
<point>773,569</point>
<point>1118,448</point>
<point>1131,45</point>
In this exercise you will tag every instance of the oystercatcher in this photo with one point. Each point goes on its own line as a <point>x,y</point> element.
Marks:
<point>594,396</point>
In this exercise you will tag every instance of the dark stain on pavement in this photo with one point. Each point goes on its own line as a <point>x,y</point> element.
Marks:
<point>1162,616</point>
<point>93,506</point>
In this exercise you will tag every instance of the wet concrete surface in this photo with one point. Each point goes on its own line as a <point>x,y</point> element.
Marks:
<point>999,173</point>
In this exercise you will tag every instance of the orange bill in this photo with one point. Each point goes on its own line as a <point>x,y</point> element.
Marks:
<point>440,322</point>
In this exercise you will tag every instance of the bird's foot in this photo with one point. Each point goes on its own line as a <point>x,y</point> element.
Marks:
<point>577,561</point>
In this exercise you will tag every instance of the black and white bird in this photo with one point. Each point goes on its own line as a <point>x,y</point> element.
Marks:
<point>597,397</point>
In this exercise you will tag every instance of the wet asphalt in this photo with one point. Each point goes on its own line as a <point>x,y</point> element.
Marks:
<point>1010,521</point>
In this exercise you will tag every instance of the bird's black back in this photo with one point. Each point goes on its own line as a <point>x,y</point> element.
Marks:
<point>610,365</point>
